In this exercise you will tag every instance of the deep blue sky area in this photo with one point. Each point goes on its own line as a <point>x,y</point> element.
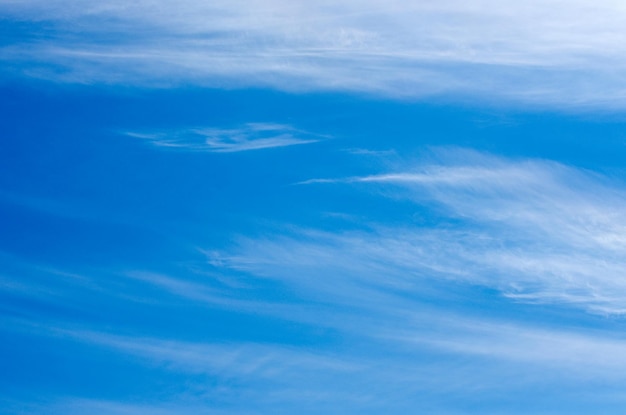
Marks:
<point>346,208</point>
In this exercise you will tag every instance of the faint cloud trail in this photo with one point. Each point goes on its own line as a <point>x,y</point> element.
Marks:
<point>251,136</point>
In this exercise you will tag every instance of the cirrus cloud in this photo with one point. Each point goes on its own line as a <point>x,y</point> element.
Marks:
<point>568,54</point>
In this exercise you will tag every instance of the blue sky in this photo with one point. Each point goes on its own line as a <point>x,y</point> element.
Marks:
<point>267,207</point>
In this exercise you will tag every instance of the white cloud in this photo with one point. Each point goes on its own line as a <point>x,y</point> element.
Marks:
<point>252,136</point>
<point>536,230</point>
<point>227,360</point>
<point>583,352</point>
<point>526,348</point>
<point>79,406</point>
<point>568,53</point>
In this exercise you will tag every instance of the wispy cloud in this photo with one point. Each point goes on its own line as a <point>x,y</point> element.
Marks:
<point>78,406</point>
<point>385,359</point>
<point>544,52</point>
<point>228,360</point>
<point>252,136</point>
<point>536,230</point>
<point>583,352</point>
<point>591,352</point>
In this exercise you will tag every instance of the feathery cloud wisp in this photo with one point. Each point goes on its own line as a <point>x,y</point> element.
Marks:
<point>544,52</point>
<point>538,231</point>
<point>252,136</point>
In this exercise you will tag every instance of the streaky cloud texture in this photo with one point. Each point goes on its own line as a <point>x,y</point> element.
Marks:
<point>545,53</point>
<point>356,207</point>
<point>252,136</point>
<point>536,230</point>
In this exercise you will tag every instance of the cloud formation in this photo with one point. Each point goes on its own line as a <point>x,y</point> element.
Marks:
<point>535,230</point>
<point>252,136</point>
<point>541,52</point>
<point>227,360</point>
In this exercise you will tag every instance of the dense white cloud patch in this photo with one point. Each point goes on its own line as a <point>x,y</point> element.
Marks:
<point>544,52</point>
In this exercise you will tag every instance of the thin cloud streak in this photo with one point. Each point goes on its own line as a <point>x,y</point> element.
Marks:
<point>545,53</point>
<point>229,360</point>
<point>583,354</point>
<point>536,230</point>
<point>252,136</point>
